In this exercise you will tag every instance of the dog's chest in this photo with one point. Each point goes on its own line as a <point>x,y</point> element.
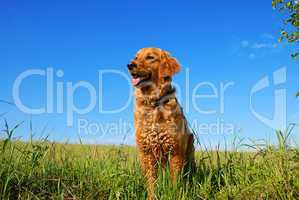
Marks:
<point>156,132</point>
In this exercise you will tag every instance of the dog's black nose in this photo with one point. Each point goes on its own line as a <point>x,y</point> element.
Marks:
<point>131,66</point>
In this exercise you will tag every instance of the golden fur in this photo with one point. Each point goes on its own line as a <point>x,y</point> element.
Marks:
<point>162,134</point>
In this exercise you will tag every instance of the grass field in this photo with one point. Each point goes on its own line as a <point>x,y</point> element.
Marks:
<point>45,170</point>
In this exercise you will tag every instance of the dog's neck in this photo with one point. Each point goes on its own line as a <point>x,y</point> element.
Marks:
<point>155,95</point>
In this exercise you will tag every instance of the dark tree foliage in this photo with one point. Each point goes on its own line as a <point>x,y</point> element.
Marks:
<point>290,11</point>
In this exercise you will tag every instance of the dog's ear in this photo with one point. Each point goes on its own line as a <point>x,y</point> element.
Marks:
<point>169,65</point>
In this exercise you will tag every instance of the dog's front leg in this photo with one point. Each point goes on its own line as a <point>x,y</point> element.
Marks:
<point>176,166</point>
<point>149,168</point>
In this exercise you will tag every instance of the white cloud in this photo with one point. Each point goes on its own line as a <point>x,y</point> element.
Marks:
<point>254,48</point>
<point>268,42</point>
<point>258,45</point>
<point>264,45</point>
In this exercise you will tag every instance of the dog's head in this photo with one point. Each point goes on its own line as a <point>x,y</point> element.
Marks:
<point>152,66</point>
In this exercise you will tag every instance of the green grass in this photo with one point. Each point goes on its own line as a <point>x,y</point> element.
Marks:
<point>45,170</point>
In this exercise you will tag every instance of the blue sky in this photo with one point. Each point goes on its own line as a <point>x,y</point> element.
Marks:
<point>219,42</point>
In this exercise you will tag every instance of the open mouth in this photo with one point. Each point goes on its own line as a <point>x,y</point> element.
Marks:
<point>138,79</point>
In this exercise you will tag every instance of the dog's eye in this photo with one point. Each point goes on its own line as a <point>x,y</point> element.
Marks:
<point>149,57</point>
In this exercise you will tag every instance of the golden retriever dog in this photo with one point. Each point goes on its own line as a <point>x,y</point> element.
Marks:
<point>162,133</point>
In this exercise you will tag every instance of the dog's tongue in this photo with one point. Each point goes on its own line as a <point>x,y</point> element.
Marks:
<point>135,81</point>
